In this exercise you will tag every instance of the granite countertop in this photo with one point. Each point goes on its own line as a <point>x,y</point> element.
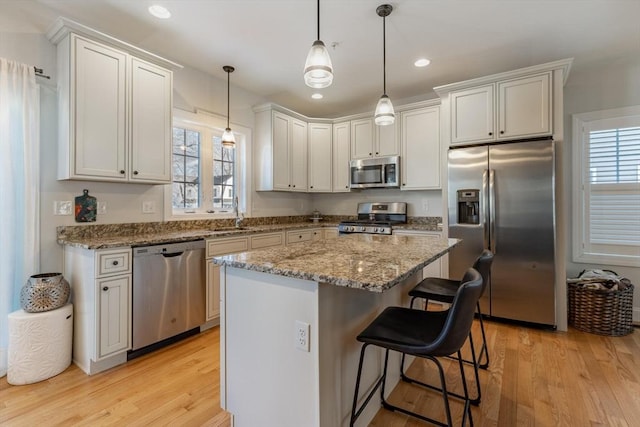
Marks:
<point>104,236</point>
<point>142,239</point>
<point>370,262</point>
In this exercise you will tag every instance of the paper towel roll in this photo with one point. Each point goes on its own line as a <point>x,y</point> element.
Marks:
<point>39,344</point>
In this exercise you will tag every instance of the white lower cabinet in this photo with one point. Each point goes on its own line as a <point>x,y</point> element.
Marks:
<point>101,290</point>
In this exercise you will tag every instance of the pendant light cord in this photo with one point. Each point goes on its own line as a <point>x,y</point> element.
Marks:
<point>228,97</point>
<point>384,55</point>
<point>318,20</point>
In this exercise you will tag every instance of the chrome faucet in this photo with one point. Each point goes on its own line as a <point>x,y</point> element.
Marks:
<point>239,216</point>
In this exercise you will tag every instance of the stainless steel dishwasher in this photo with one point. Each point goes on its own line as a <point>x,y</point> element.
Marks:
<point>168,291</point>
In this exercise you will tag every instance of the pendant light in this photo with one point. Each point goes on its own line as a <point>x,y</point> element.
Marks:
<point>384,110</point>
<point>228,140</point>
<point>318,71</point>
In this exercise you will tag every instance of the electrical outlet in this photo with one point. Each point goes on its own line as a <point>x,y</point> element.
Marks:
<point>102,208</point>
<point>301,335</point>
<point>62,207</point>
<point>425,206</point>
<point>149,207</point>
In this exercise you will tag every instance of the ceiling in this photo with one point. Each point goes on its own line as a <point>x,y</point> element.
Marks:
<point>267,40</point>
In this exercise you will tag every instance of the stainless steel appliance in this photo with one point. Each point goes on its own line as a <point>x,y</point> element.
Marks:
<point>379,172</point>
<point>168,291</point>
<point>501,197</point>
<point>376,218</point>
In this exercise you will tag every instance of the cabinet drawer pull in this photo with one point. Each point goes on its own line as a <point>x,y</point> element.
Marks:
<point>501,132</point>
<point>135,172</point>
<point>115,262</point>
<point>369,153</point>
<point>122,171</point>
<point>376,153</point>
<point>106,288</point>
<point>490,133</point>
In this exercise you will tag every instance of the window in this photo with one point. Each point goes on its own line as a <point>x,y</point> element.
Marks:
<point>206,176</point>
<point>607,187</point>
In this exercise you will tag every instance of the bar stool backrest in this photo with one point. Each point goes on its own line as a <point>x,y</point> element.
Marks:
<point>483,265</point>
<point>459,318</point>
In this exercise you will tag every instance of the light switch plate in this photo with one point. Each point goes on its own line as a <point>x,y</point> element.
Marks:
<point>62,207</point>
<point>102,208</point>
<point>148,207</point>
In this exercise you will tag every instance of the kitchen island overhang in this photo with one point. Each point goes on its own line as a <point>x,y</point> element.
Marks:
<point>336,287</point>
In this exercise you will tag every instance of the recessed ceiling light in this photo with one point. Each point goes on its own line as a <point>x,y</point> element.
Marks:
<point>159,11</point>
<point>317,96</point>
<point>422,62</point>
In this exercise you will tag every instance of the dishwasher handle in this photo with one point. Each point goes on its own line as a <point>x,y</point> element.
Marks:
<point>173,254</point>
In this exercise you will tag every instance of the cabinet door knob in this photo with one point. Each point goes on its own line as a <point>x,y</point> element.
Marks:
<point>490,133</point>
<point>135,172</point>
<point>501,132</point>
<point>376,153</point>
<point>289,185</point>
<point>122,171</point>
<point>106,288</point>
<point>312,186</point>
<point>346,186</point>
<point>115,263</point>
<point>404,183</point>
<point>369,153</point>
<point>294,186</point>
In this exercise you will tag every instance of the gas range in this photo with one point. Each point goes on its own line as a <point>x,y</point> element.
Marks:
<point>376,218</point>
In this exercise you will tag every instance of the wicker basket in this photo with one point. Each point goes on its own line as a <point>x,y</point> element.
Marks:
<point>599,311</point>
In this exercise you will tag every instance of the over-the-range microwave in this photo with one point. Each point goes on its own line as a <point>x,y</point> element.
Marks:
<point>379,172</point>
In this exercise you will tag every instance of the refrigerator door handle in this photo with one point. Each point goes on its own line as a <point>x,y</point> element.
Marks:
<point>492,211</point>
<point>484,207</point>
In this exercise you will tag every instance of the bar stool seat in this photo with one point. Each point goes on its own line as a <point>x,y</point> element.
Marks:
<point>425,334</point>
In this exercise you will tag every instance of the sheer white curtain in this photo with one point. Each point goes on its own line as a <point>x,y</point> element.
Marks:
<point>19,188</point>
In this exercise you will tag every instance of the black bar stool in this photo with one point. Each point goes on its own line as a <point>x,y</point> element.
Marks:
<point>426,334</point>
<point>444,290</point>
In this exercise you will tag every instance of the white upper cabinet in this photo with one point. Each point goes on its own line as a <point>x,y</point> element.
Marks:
<point>92,109</point>
<point>320,158</point>
<point>524,107</point>
<point>518,104</point>
<point>511,109</point>
<point>114,107</point>
<point>150,122</point>
<point>369,140</point>
<point>421,156</point>
<point>341,156</point>
<point>472,117</point>
<point>280,155</point>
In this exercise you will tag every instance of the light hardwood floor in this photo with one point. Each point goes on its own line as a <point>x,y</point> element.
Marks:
<point>536,378</point>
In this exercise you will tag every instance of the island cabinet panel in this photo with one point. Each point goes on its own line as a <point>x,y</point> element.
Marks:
<point>114,114</point>
<point>101,295</point>
<point>301,388</point>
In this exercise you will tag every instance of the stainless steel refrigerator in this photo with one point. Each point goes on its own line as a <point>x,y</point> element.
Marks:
<point>501,197</point>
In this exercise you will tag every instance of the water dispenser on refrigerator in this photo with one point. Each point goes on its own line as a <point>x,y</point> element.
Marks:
<point>468,206</point>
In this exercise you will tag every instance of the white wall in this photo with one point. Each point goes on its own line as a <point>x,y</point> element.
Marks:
<point>605,85</point>
<point>346,203</point>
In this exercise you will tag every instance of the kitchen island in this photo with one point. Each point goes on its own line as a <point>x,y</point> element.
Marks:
<point>290,317</point>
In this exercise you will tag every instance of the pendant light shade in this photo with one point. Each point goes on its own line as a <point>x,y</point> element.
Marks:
<point>384,115</point>
<point>318,70</point>
<point>228,140</point>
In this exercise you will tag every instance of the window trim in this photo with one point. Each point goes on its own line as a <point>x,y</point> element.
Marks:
<point>581,245</point>
<point>205,120</point>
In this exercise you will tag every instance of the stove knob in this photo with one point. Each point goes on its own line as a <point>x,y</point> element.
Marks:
<point>362,229</point>
<point>351,228</point>
<point>376,230</point>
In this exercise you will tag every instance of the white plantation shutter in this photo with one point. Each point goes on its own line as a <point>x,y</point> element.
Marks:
<point>607,186</point>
